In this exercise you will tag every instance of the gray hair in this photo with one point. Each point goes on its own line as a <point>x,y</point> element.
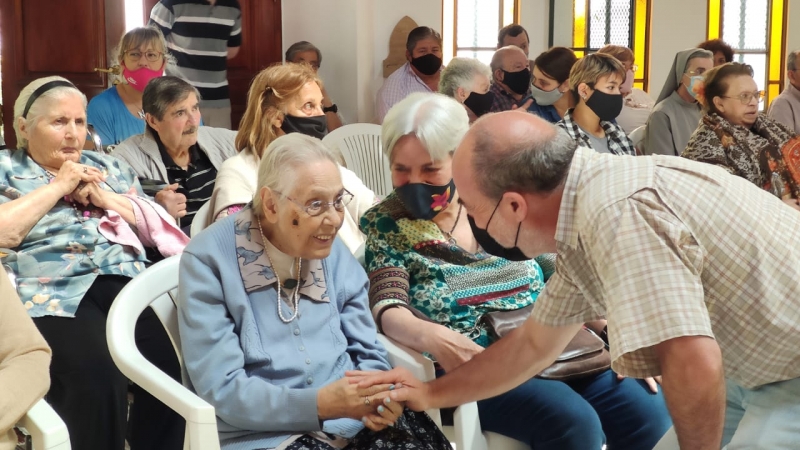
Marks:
<point>497,57</point>
<point>438,121</point>
<point>533,166</point>
<point>791,60</point>
<point>300,47</point>
<point>163,92</point>
<point>39,107</point>
<point>282,158</point>
<point>700,53</point>
<point>460,73</point>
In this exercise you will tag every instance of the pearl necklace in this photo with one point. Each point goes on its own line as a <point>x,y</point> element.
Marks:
<point>294,303</point>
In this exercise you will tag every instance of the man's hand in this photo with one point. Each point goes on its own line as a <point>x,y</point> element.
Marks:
<point>414,393</point>
<point>524,106</point>
<point>694,388</point>
<point>174,202</point>
<point>652,382</point>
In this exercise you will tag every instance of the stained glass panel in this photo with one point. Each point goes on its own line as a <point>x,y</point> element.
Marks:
<point>744,24</point>
<point>610,26</point>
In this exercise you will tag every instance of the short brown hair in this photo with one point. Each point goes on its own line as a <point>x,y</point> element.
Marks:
<point>267,99</point>
<point>591,68</point>
<point>716,82</point>
<point>556,63</point>
<point>718,45</point>
<point>617,51</point>
<point>512,30</point>
<point>136,37</point>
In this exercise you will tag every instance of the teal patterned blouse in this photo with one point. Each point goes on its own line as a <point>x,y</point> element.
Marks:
<point>411,263</point>
<point>63,253</point>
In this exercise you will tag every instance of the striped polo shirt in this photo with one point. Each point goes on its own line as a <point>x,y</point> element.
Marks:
<point>198,35</point>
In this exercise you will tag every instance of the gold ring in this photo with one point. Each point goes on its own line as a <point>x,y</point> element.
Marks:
<point>366,401</point>
<point>85,169</point>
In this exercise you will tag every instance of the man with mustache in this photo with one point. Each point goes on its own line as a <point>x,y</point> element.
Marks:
<point>175,156</point>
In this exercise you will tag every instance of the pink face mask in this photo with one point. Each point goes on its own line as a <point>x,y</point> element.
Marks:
<point>627,86</point>
<point>139,78</point>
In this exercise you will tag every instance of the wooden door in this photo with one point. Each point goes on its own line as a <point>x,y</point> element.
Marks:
<point>261,46</point>
<point>44,37</point>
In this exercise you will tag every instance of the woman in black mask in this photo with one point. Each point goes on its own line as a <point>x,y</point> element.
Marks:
<point>595,80</point>
<point>431,282</point>
<point>282,99</point>
<point>468,81</point>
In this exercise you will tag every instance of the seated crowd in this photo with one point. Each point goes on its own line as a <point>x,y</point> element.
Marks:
<point>278,319</point>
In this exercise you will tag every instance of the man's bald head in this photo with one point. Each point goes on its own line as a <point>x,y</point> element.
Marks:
<point>509,58</point>
<point>515,151</point>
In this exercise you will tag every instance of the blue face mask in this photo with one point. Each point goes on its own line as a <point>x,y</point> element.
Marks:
<point>692,82</point>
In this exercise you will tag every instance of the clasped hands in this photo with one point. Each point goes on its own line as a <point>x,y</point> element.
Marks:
<point>81,184</point>
<point>372,404</point>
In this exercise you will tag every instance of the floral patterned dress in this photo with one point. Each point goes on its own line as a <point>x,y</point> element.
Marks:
<point>64,252</point>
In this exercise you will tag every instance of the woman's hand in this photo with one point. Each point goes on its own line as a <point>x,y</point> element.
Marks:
<point>91,193</point>
<point>71,174</point>
<point>385,415</point>
<point>452,349</point>
<point>343,398</point>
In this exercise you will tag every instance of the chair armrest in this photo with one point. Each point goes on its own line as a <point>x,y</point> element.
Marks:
<point>45,427</point>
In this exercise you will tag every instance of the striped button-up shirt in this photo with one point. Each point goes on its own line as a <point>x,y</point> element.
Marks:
<point>663,248</point>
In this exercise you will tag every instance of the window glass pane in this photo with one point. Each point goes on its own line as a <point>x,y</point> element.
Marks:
<point>484,56</point>
<point>618,22</point>
<point>477,23</point>
<point>759,64</point>
<point>621,23</point>
<point>744,24</point>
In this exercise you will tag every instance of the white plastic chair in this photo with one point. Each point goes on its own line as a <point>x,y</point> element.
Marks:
<point>637,137</point>
<point>201,218</point>
<point>156,287</point>
<point>360,147</point>
<point>45,427</point>
<point>466,429</point>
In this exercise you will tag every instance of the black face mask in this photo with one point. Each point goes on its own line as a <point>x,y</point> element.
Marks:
<point>606,106</point>
<point>315,126</point>
<point>425,201</point>
<point>518,81</point>
<point>480,104</point>
<point>427,64</point>
<point>491,246</point>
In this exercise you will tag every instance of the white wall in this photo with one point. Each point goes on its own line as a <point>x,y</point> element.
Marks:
<point>535,17</point>
<point>353,36</point>
<point>675,25</point>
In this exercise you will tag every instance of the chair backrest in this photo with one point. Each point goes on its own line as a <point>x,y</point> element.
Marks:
<point>360,147</point>
<point>637,136</point>
<point>157,287</point>
<point>201,219</point>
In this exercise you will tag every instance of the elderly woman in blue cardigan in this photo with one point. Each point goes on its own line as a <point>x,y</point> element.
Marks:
<point>273,310</point>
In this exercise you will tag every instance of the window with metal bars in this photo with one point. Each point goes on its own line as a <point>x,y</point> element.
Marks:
<point>620,22</point>
<point>756,31</point>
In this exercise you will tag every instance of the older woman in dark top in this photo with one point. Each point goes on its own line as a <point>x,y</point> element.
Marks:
<point>69,220</point>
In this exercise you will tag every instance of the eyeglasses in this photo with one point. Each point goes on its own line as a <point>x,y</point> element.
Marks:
<point>317,207</point>
<point>136,55</point>
<point>745,97</point>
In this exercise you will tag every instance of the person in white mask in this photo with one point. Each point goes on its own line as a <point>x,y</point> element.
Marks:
<point>677,112</point>
<point>550,95</point>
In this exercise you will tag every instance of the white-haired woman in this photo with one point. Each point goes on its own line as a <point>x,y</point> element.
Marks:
<point>424,261</point>
<point>69,222</point>
<point>468,81</point>
<point>273,311</point>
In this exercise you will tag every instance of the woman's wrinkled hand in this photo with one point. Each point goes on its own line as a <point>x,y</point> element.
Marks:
<point>90,193</point>
<point>385,414</point>
<point>343,398</point>
<point>453,349</point>
<point>71,174</point>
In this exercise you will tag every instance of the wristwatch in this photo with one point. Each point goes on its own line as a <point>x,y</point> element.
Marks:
<point>333,108</point>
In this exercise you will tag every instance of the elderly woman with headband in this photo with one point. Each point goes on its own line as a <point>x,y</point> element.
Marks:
<point>677,113</point>
<point>282,99</point>
<point>76,224</point>
<point>273,312</point>
<point>432,281</point>
<point>468,81</point>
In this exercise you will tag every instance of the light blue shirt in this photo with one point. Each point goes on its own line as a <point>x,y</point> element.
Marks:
<point>262,375</point>
<point>64,252</point>
<point>111,118</point>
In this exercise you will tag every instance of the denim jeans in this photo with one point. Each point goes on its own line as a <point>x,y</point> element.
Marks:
<point>765,417</point>
<point>582,414</point>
